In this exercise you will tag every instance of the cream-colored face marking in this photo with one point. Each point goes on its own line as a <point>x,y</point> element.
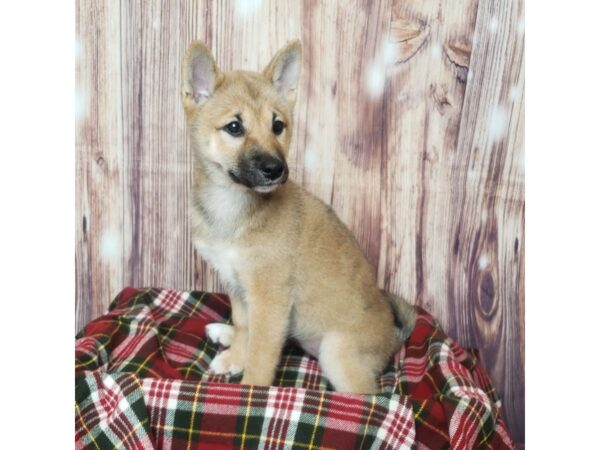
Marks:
<point>244,114</point>
<point>265,189</point>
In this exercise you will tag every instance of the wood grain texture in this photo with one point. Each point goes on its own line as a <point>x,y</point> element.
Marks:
<point>409,123</point>
<point>486,289</point>
<point>99,159</point>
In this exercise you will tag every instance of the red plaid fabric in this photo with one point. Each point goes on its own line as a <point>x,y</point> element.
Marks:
<point>142,382</point>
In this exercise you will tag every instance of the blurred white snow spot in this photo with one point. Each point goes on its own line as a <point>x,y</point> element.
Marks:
<point>483,261</point>
<point>436,50</point>
<point>521,25</point>
<point>514,92</point>
<point>310,159</point>
<point>493,25</point>
<point>376,72</point>
<point>497,123</point>
<point>376,80</point>
<point>388,53</point>
<point>81,106</point>
<point>156,23</point>
<point>110,245</point>
<point>77,49</point>
<point>244,7</point>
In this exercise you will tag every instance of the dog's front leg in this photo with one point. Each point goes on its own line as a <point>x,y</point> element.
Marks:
<point>267,328</point>
<point>233,359</point>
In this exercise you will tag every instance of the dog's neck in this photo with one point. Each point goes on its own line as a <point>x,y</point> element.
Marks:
<point>225,207</point>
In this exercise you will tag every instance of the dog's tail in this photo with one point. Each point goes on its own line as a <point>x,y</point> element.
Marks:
<point>405,315</point>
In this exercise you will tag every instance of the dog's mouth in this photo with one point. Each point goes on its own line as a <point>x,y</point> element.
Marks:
<point>260,172</point>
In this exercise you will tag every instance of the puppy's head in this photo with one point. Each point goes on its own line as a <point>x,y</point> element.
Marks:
<point>240,123</point>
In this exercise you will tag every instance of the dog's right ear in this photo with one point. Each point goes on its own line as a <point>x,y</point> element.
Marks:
<point>284,70</point>
<point>199,75</point>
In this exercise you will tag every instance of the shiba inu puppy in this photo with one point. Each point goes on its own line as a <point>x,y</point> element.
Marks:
<point>291,267</point>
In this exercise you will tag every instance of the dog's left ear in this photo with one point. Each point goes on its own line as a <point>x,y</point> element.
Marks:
<point>284,70</point>
<point>199,76</point>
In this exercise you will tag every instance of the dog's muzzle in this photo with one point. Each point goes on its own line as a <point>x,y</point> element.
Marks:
<point>260,171</point>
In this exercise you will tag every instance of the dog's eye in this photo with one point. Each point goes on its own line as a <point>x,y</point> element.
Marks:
<point>278,127</point>
<point>234,128</point>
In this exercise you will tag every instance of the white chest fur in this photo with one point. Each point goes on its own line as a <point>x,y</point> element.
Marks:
<point>225,208</point>
<point>218,217</point>
<point>222,257</point>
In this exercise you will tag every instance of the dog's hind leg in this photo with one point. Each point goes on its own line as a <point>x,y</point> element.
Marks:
<point>346,366</point>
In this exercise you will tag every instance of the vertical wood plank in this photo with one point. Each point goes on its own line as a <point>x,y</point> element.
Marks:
<point>486,294</point>
<point>362,110</point>
<point>99,130</point>
<point>158,159</point>
<point>131,111</point>
<point>425,103</point>
<point>316,142</point>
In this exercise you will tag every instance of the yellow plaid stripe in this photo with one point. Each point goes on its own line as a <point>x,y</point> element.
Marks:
<point>317,417</point>
<point>366,424</point>
<point>193,415</point>
<point>137,426</point>
<point>424,422</point>
<point>294,370</point>
<point>84,426</point>
<point>247,414</point>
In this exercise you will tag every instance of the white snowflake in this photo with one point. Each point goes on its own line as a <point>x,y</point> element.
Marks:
<point>310,159</point>
<point>78,51</point>
<point>436,50</point>
<point>497,123</point>
<point>110,245</point>
<point>388,53</point>
<point>375,82</point>
<point>493,25</point>
<point>245,7</point>
<point>377,70</point>
<point>81,106</point>
<point>521,25</point>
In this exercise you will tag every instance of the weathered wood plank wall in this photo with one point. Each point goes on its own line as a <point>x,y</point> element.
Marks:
<point>409,123</point>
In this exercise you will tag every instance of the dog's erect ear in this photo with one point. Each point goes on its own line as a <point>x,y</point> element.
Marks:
<point>284,70</point>
<point>199,74</point>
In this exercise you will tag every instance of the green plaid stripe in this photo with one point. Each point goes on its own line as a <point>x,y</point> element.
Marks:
<point>142,381</point>
<point>111,413</point>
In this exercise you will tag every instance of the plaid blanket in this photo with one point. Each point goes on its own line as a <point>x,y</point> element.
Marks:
<point>142,382</point>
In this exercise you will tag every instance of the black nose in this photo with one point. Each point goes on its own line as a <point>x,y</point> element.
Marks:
<point>270,167</point>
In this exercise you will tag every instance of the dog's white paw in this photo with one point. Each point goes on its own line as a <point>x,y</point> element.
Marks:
<point>222,364</point>
<point>220,333</point>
